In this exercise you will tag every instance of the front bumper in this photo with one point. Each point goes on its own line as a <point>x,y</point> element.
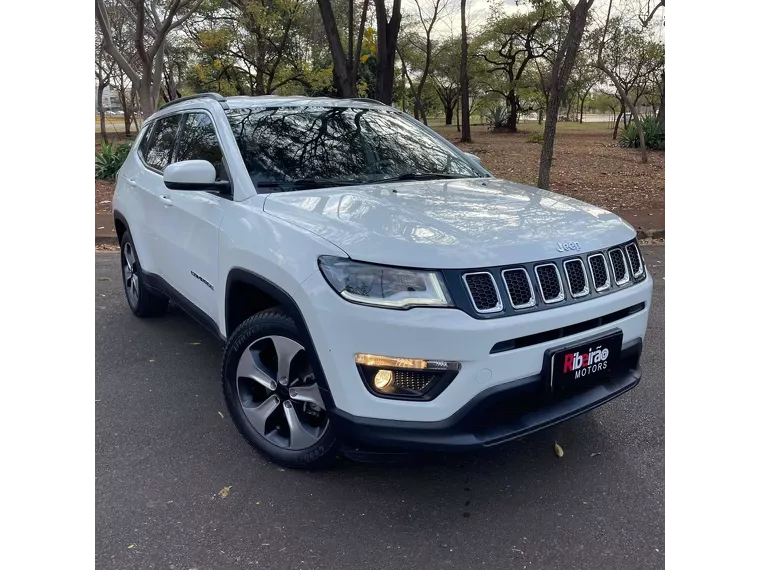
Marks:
<point>340,329</point>
<point>497,415</point>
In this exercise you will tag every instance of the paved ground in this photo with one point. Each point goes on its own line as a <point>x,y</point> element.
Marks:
<point>165,453</point>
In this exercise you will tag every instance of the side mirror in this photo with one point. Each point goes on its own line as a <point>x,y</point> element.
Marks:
<point>473,157</point>
<point>193,175</point>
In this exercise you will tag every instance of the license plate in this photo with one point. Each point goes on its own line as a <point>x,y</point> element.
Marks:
<point>584,363</point>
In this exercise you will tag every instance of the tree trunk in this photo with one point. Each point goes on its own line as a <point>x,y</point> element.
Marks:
<point>617,123</point>
<point>512,118</point>
<point>661,111</point>
<point>464,81</point>
<point>449,114</point>
<point>147,103</point>
<point>459,127</point>
<point>583,101</point>
<point>387,41</point>
<point>540,116</point>
<point>341,73</point>
<point>563,64</point>
<point>102,112</point>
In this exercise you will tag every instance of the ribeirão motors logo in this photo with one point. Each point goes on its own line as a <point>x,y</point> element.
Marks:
<point>586,363</point>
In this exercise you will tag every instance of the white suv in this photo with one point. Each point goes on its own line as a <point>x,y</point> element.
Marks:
<point>377,289</point>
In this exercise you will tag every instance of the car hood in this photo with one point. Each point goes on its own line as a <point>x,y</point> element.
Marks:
<point>449,224</point>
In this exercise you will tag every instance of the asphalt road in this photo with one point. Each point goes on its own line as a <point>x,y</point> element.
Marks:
<point>166,451</point>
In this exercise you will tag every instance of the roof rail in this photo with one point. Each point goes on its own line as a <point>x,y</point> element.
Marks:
<point>215,96</point>
<point>367,99</point>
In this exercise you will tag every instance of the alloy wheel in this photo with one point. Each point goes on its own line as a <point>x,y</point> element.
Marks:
<point>131,279</point>
<point>279,394</point>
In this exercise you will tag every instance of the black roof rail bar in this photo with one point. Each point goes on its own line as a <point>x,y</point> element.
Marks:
<point>215,96</point>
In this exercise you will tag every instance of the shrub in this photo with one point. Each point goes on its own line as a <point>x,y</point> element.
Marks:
<point>109,160</point>
<point>654,135</point>
<point>536,137</point>
<point>497,117</point>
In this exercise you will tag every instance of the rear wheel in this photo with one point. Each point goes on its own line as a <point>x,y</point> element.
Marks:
<point>272,393</point>
<point>143,301</point>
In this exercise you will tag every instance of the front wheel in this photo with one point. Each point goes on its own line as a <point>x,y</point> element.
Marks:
<point>143,301</point>
<point>272,393</point>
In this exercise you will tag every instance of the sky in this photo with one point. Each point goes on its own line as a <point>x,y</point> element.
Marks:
<point>478,11</point>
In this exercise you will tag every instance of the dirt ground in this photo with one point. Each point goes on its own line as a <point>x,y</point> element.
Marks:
<point>588,165</point>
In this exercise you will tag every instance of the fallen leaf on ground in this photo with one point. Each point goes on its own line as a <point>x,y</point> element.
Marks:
<point>102,228</point>
<point>220,413</point>
<point>225,491</point>
<point>596,453</point>
<point>131,546</point>
<point>558,450</point>
<point>193,343</point>
<point>104,279</point>
<point>152,360</point>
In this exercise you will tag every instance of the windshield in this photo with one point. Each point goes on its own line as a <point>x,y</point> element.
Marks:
<point>285,146</point>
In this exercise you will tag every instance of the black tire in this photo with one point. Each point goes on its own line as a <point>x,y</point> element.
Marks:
<point>271,322</point>
<point>144,301</point>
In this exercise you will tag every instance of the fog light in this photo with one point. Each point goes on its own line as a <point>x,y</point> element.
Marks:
<point>383,378</point>
<point>403,377</point>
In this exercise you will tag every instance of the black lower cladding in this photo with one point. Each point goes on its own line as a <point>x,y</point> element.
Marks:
<point>495,416</point>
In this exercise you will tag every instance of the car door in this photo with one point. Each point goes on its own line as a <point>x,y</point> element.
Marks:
<point>190,232</point>
<point>155,156</point>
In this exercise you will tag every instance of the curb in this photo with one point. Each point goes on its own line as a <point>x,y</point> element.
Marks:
<point>651,234</point>
<point>106,240</point>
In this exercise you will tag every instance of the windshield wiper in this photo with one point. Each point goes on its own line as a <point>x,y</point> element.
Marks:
<point>419,176</point>
<point>306,183</point>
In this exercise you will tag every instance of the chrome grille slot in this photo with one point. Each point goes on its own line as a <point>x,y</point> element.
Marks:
<point>549,283</point>
<point>634,258</point>
<point>599,271</point>
<point>481,287</point>
<point>577,279</point>
<point>619,268</point>
<point>519,288</point>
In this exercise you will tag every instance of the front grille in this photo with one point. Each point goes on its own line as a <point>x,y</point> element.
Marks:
<point>519,288</point>
<point>549,283</point>
<point>576,277</point>
<point>619,268</point>
<point>483,293</point>
<point>635,260</point>
<point>489,292</point>
<point>599,272</point>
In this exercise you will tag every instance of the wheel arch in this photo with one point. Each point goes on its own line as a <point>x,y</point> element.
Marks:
<point>121,225</point>
<point>238,281</point>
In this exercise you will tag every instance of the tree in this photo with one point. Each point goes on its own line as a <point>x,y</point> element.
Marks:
<point>387,40</point>
<point>626,57</point>
<point>464,86</point>
<point>660,81</point>
<point>564,60</point>
<point>245,47</point>
<point>153,20</point>
<point>345,68</point>
<point>428,12</point>
<point>510,44</point>
<point>104,67</point>
<point>444,74</point>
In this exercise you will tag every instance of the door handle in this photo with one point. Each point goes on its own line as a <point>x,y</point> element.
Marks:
<point>165,200</point>
<point>131,181</point>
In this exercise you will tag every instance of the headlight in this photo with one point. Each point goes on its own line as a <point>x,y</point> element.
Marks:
<point>382,286</point>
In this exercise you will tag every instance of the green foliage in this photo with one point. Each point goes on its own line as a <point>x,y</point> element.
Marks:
<point>654,135</point>
<point>497,117</point>
<point>109,160</point>
<point>536,137</point>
